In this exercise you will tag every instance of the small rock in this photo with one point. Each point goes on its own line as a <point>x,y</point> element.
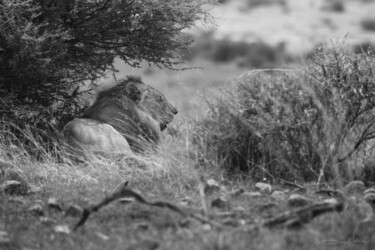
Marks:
<point>36,209</point>
<point>332,201</point>
<point>54,204</point>
<point>211,186</point>
<point>4,238</point>
<point>74,210</point>
<point>251,194</point>
<point>354,187</point>
<point>242,222</point>
<point>263,187</point>
<point>220,202</point>
<point>278,195</point>
<point>206,227</point>
<point>63,229</point>
<point>297,200</point>
<point>14,187</point>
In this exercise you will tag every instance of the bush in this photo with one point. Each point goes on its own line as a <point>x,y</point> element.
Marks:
<point>246,55</point>
<point>295,125</point>
<point>368,24</point>
<point>223,1</point>
<point>48,49</point>
<point>334,6</point>
<point>258,3</point>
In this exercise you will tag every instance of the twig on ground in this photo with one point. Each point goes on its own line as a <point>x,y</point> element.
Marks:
<point>122,191</point>
<point>305,214</point>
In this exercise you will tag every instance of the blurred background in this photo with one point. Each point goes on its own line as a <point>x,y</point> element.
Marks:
<point>256,34</point>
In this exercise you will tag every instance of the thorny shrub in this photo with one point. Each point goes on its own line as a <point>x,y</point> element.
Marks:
<point>302,124</point>
<point>52,50</point>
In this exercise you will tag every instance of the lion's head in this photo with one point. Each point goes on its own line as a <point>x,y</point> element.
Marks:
<point>151,101</point>
<point>137,110</point>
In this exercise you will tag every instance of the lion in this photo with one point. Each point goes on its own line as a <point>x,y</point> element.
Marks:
<point>128,117</point>
<point>87,135</point>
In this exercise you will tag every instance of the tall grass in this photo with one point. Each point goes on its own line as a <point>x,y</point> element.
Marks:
<point>304,124</point>
<point>67,177</point>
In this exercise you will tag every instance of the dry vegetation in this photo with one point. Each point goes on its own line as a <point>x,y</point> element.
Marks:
<point>306,130</point>
<point>252,132</point>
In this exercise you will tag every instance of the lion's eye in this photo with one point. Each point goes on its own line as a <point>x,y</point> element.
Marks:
<point>161,99</point>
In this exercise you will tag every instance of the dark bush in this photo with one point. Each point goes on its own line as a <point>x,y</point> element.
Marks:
<point>246,55</point>
<point>258,3</point>
<point>368,24</point>
<point>223,1</point>
<point>334,6</point>
<point>295,125</point>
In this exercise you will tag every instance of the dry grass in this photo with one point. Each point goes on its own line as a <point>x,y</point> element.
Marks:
<point>173,174</point>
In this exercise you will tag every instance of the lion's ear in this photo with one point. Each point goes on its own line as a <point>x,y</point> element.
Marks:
<point>133,91</point>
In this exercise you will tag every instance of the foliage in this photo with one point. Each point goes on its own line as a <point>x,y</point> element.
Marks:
<point>296,125</point>
<point>334,5</point>
<point>53,52</point>
<point>368,24</point>
<point>253,55</point>
<point>49,48</point>
<point>259,3</point>
<point>223,1</point>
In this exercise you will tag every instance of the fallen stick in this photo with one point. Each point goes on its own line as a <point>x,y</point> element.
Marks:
<point>122,192</point>
<point>305,214</point>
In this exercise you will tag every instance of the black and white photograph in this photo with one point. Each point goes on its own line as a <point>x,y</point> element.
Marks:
<point>187,124</point>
